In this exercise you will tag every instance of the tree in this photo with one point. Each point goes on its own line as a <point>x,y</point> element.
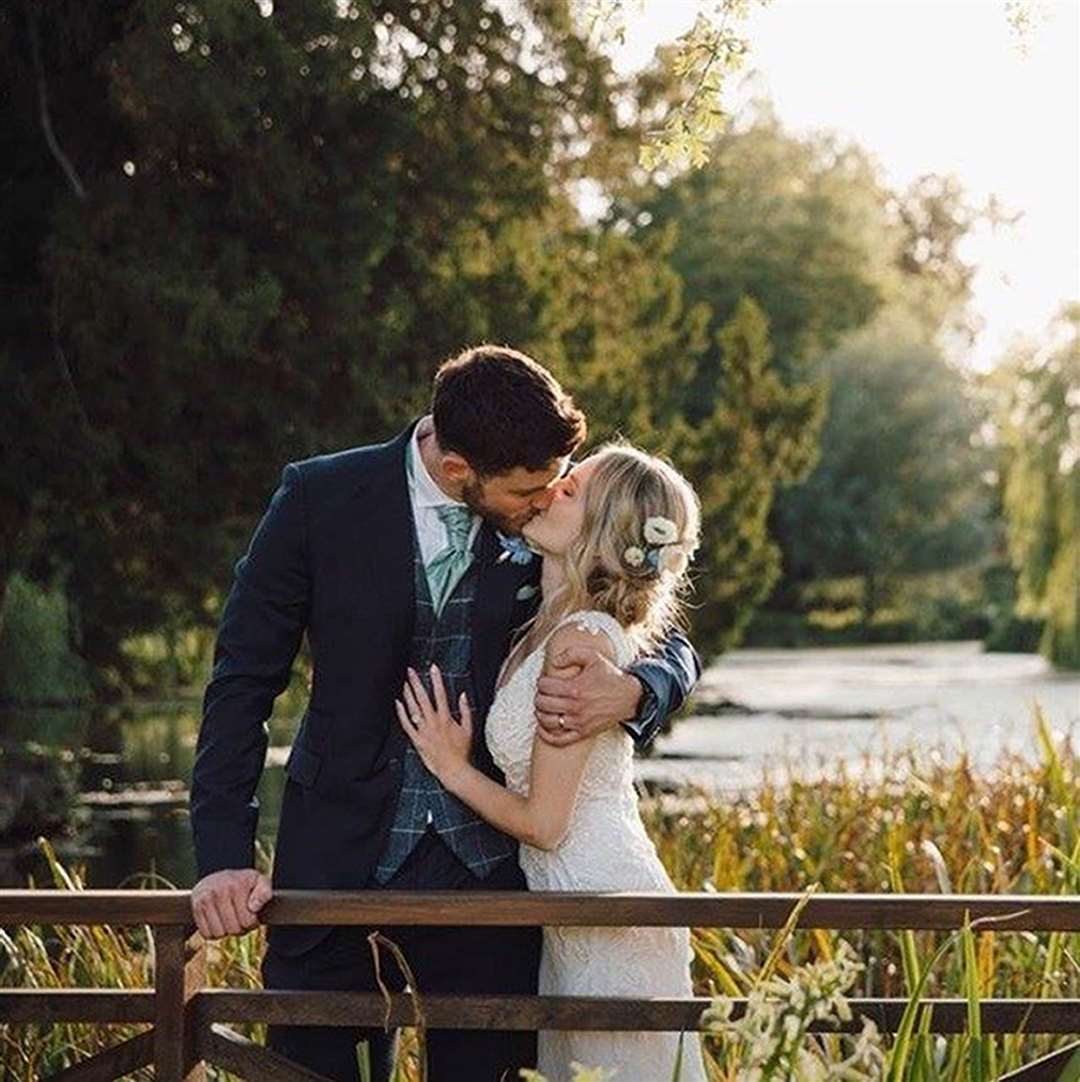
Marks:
<point>898,485</point>
<point>251,255</point>
<point>798,224</point>
<point>1038,418</point>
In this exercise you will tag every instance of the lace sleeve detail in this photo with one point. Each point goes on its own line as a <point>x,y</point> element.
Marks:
<point>597,622</point>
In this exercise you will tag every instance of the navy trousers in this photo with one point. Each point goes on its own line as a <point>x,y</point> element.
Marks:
<point>448,960</point>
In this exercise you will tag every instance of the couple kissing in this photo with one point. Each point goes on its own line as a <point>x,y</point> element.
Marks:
<point>492,627</point>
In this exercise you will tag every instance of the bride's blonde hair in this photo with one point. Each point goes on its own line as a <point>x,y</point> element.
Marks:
<point>614,564</point>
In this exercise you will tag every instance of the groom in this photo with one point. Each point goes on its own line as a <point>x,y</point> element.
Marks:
<point>388,556</point>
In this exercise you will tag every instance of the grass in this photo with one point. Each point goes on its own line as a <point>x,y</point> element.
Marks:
<point>915,822</point>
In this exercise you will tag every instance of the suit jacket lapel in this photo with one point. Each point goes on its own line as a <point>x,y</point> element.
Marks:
<point>386,521</point>
<point>493,610</point>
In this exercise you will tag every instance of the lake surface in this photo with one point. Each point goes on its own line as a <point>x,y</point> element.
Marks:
<point>811,707</point>
<point>755,709</point>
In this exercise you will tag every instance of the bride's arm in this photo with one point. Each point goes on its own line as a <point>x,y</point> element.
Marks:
<point>539,819</point>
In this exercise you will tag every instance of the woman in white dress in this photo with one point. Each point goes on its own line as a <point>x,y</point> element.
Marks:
<point>616,541</point>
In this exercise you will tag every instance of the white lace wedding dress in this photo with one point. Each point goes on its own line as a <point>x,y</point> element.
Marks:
<point>606,848</point>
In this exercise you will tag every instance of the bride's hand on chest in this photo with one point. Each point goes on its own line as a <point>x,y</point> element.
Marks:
<point>442,741</point>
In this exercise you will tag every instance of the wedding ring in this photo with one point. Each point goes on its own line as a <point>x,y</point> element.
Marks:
<point>562,721</point>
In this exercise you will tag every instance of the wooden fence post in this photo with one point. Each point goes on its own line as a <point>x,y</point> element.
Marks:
<point>179,974</point>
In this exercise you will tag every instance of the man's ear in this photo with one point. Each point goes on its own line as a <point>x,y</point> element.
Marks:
<point>456,469</point>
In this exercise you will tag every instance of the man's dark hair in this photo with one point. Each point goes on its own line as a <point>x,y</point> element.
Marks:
<point>498,409</point>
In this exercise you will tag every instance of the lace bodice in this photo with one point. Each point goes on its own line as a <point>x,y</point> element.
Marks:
<point>511,725</point>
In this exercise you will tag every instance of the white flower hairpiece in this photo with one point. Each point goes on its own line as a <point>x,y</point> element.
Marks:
<point>674,558</point>
<point>664,551</point>
<point>660,531</point>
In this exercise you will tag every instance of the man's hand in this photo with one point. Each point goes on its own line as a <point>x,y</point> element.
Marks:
<point>228,902</point>
<point>584,694</point>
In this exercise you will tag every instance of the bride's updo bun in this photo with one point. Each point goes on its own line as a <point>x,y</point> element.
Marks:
<point>640,529</point>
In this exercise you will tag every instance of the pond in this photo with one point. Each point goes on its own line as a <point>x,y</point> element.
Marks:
<point>755,709</point>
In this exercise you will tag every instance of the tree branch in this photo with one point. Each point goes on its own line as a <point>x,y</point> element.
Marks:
<point>43,104</point>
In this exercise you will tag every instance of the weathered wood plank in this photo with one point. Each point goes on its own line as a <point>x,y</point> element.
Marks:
<point>224,1048</point>
<point>493,908</point>
<point>179,974</point>
<point>75,1005</point>
<point>111,1063</point>
<point>733,910</point>
<point>1047,1069</point>
<point>568,1012</point>
<point>115,907</point>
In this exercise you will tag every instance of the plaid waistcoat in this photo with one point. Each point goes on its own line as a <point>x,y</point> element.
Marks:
<point>446,641</point>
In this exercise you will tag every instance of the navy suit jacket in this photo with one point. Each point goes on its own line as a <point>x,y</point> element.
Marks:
<point>333,557</point>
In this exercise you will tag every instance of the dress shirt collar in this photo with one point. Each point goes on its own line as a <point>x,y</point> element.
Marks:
<point>426,492</point>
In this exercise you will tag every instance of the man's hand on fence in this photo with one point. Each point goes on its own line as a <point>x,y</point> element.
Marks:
<point>228,902</point>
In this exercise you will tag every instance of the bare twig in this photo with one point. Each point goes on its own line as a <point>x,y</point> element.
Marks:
<point>374,940</point>
<point>43,104</point>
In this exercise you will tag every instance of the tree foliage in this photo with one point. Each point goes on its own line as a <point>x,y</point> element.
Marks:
<point>898,486</point>
<point>1038,418</point>
<point>284,218</point>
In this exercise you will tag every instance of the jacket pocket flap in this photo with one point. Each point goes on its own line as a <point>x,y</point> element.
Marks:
<point>303,766</point>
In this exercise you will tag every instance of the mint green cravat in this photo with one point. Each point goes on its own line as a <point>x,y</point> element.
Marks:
<point>445,570</point>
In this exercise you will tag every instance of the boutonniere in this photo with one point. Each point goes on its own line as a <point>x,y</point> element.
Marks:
<point>514,548</point>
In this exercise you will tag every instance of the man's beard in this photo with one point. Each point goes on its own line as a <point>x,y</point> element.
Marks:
<point>472,495</point>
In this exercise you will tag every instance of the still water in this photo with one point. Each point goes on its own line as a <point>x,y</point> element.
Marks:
<point>754,710</point>
<point>808,708</point>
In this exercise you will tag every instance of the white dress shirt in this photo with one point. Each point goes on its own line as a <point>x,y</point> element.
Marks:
<point>426,497</point>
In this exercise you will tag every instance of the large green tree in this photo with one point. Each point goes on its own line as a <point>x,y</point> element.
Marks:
<point>898,487</point>
<point>240,233</point>
<point>807,226</point>
<point>269,225</point>
<point>622,335</point>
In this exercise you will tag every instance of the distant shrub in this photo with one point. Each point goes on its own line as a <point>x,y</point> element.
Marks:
<point>37,662</point>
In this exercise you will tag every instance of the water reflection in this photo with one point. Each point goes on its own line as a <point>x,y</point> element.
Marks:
<point>134,766</point>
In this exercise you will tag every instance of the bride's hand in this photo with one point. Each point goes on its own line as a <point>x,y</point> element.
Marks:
<point>442,742</point>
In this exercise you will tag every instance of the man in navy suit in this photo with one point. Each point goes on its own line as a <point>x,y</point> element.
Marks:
<point>397,555</point>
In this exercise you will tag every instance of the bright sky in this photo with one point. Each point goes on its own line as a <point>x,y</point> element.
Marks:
<point>935,86</point>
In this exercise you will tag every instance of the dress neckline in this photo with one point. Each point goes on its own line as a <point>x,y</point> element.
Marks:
<point>499,685</point>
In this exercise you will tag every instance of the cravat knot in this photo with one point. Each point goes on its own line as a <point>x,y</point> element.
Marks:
<point>458,522</point>
<point>446,569</point>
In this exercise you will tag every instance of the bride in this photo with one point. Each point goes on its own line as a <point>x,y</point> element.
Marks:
<point>616,540</point>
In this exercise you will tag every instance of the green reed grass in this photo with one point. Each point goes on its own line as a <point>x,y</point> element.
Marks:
<point>909,821</point>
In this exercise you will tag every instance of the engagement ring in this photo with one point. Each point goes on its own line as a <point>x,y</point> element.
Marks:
<point>562,721</point>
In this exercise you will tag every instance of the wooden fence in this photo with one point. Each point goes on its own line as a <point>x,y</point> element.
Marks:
<point>188,1020</point>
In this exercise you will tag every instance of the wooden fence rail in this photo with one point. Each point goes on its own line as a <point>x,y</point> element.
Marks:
<point>188,1019</point>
